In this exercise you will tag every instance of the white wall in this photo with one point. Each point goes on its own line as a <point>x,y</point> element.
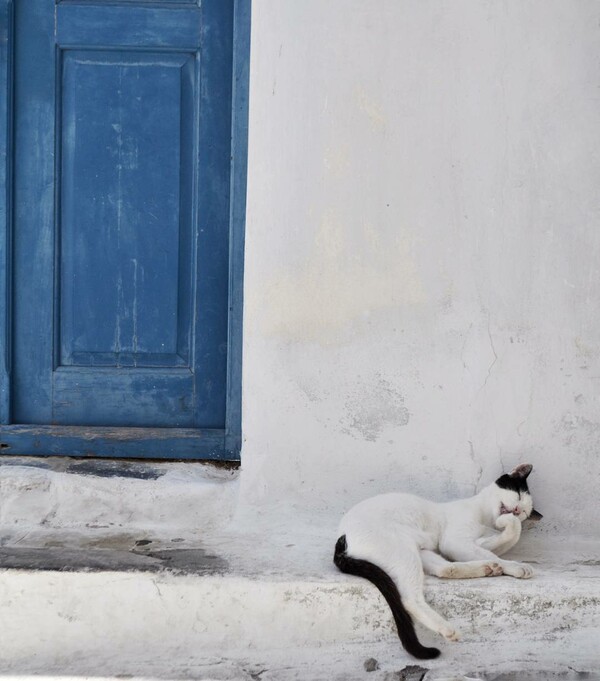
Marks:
<point>422,293</point>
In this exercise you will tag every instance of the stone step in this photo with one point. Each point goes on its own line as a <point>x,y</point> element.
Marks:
<point>228,607</point>
<point>158,570</point>
<point>62,494</point>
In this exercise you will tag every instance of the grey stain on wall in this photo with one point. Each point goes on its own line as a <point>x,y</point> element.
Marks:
<point>373,407</point>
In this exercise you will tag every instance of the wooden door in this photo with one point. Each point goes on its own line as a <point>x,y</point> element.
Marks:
<point>119,260</point>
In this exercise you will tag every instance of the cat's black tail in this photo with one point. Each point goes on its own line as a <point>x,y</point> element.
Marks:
<point>404,623</point>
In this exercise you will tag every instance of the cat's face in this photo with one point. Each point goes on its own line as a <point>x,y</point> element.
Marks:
<point>513,494</point>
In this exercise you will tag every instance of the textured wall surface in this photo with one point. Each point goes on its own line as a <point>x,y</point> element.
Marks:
<point>423,251</point>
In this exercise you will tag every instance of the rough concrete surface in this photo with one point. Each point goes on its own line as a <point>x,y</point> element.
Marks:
<point>91,583</point>
<point>282,611</point>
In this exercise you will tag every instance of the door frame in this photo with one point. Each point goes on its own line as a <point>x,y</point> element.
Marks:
<point>156,443</point>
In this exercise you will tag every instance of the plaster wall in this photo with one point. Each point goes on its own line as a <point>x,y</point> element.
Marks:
<point>422,280</point>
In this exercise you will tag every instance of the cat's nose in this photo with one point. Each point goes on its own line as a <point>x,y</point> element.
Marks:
<point>516,511</point>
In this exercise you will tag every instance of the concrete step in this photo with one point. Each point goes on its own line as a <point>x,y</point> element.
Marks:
<point>264,601</point>
<point>58,494</point>
<point>159,570</point>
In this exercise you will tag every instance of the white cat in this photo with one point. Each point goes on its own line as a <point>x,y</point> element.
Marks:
<point>392,539</point>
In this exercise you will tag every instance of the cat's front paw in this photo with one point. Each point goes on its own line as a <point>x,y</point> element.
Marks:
<point>508,520</point>
<point>450,634</point>
<point>518,570</point>
<point>525,572</point>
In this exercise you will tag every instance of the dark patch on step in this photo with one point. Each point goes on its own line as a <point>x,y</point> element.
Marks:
<point>25,461</point>
<point>149,469</point>
<point>188,561</point>
<point>179,561</point>
<point>114,469</point>
<point>101,468</point>
<point>412,672</point>
<point>371,664</point>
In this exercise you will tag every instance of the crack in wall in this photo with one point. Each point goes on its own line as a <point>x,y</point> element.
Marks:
<point>477,464</point>
<point>493,347</point>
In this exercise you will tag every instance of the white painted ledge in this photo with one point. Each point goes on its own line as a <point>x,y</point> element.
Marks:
<point>275,610</point>
<point>280,599</point>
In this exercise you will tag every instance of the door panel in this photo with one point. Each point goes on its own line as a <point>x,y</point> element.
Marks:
<point>126,142</point>
<point>143,397</point>
<point>121,272</point>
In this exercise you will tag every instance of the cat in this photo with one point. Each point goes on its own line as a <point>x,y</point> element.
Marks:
<point>393,539</point>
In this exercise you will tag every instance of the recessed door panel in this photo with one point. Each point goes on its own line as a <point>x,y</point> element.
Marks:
<point>126,127</point>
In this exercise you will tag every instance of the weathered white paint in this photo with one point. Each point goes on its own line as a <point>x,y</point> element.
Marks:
<point>423,251</point>
<point>183,501</point>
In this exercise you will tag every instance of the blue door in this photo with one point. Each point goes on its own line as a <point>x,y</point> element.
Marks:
<point>126,180</point>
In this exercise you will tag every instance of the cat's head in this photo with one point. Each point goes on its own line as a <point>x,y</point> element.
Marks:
<point>513,494</point>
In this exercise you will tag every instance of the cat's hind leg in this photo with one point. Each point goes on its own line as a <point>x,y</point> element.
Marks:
<point>407,573</point>
<point>383,581</point>
<point>438,566</point>
<point>399,557</point>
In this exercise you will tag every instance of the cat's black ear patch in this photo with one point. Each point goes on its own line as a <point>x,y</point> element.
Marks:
<point>516,484</point>
<point>521,471</point>
<point>516,480</point>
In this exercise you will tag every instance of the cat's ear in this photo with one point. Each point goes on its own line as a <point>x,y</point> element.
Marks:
<point>521,471</point>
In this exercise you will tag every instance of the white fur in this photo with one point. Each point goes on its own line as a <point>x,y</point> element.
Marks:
<point>407,536</point>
